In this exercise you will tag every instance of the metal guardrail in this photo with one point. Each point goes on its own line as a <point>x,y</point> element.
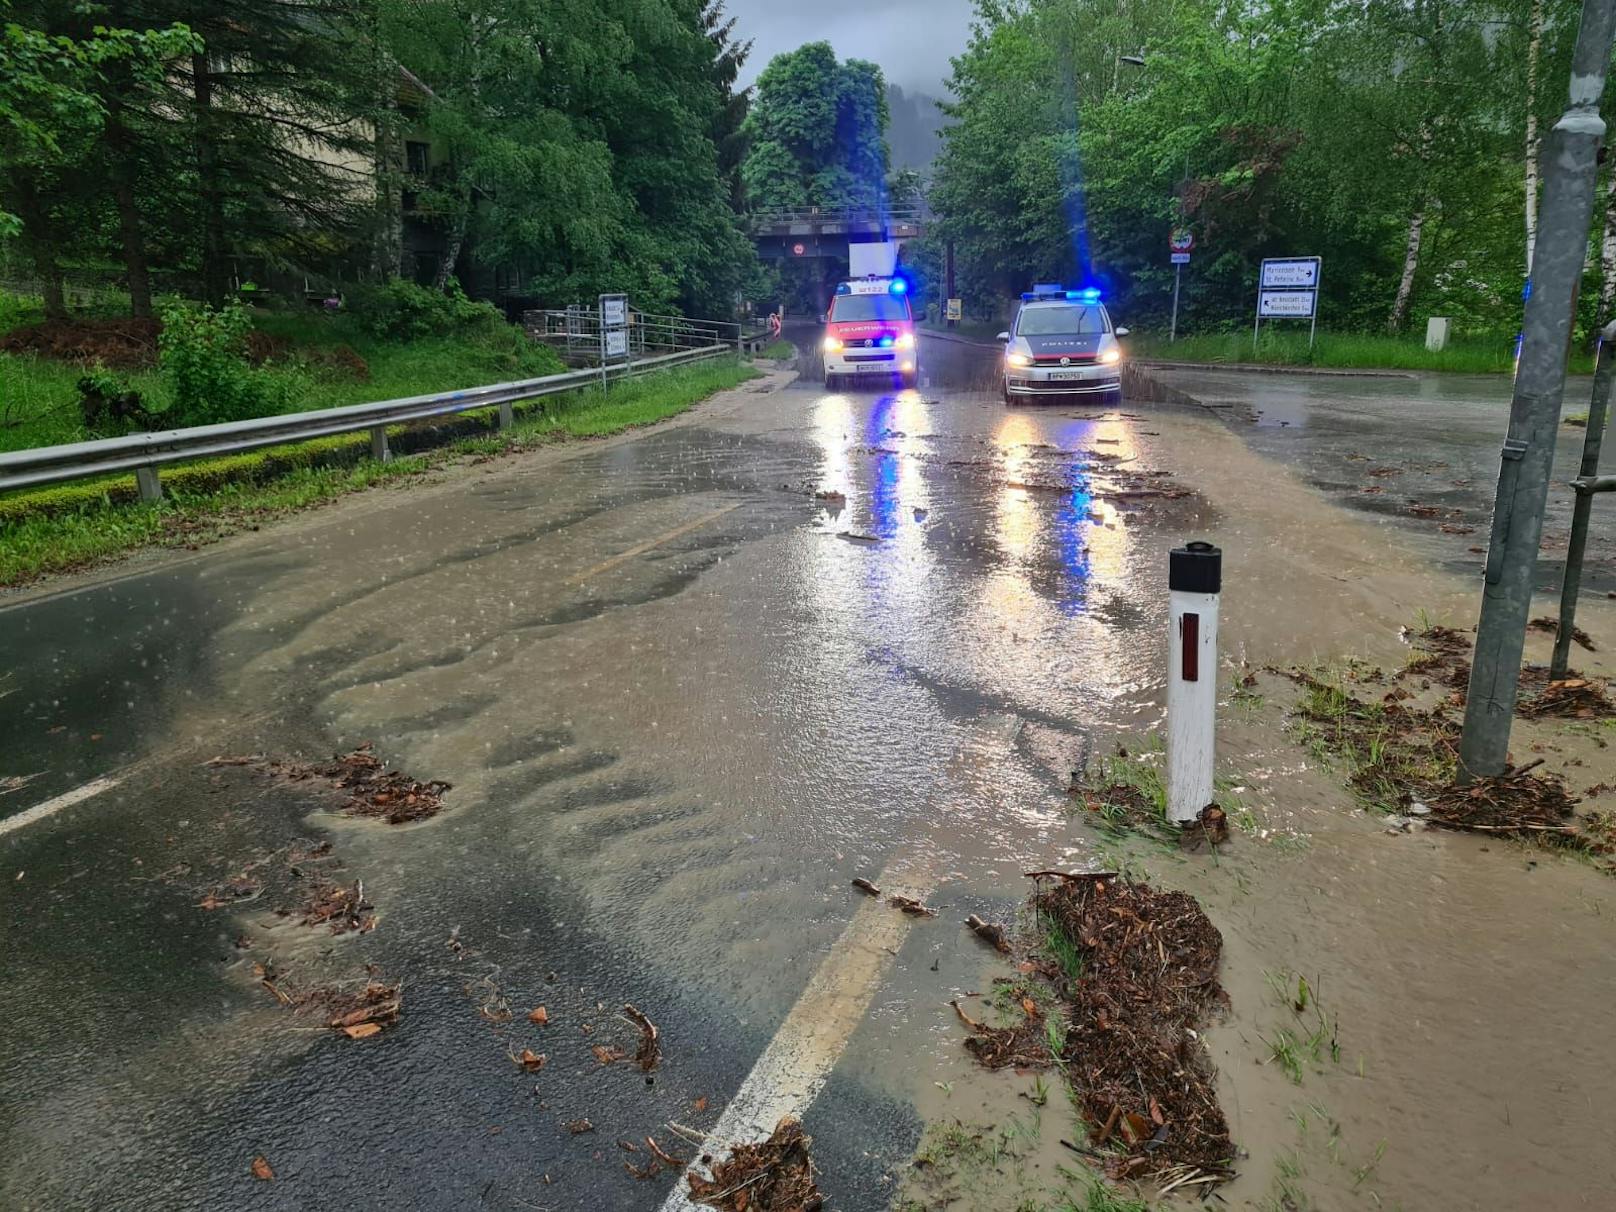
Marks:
<point>144,453</point>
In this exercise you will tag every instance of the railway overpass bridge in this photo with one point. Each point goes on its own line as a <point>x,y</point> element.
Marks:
<point>793,235</point>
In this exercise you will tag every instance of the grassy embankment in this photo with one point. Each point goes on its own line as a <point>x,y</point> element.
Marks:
<point>59,529</point>
<point>1340,351</point>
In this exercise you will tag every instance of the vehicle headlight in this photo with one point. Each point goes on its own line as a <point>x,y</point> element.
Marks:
<point>833,344</point>
<point>906,340</point>
<point>1017,359</point>
<point>1111,356</point>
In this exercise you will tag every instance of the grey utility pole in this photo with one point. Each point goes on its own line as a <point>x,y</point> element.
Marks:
<point>1571,154</point>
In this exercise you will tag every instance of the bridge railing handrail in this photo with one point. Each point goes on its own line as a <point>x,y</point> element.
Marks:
<point>912,213</point>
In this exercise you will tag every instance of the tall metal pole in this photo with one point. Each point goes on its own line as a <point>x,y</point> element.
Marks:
<point>1178,277</point>
<point>1571,153</point>
<point>1571,585</point>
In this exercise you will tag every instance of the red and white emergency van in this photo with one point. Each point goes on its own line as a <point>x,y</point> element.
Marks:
<point>869,332</point>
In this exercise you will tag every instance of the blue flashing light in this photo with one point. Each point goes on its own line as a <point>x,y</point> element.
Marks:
<point>1087,295</point>
<point>899,286</point>
<point>842,288</point>
<point>886,342</point>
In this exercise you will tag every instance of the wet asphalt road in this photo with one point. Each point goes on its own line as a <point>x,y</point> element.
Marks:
<point>1417,452</point>
<point>682,704</point>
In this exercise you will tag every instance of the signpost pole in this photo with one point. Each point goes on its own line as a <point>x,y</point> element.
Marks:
<point>1570,155</point>
<point>1178,277</point>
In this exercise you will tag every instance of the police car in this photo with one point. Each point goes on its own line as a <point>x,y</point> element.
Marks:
<point>1062,343</point>
<point>870,331</point>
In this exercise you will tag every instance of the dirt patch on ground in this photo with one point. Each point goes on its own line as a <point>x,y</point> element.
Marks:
<point>1024,1045</point>
<point>1133,1050</point>
<point>776,1175</point>
<point>372,789</point>
<point>122,344</point>
<point>1518,802</point>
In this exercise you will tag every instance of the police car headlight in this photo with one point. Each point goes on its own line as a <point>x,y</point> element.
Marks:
<point>906,340</point>
<point>833,345</point>
<point>1017,360</point>
<point>1111,356</point>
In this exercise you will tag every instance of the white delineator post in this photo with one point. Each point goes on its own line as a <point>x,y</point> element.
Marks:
<point>1194,580</point>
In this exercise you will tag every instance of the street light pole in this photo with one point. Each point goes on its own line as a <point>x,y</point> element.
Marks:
<point>1571,153</point>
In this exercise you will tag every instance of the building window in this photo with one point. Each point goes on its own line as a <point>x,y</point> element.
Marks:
<point>417,158</point>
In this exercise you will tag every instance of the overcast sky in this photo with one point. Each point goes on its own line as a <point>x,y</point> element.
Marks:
<point>911,39</point>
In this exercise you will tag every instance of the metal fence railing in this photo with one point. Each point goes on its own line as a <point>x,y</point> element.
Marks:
<point>577,331</point>
<point>144,453</point>
<point>902,215</point>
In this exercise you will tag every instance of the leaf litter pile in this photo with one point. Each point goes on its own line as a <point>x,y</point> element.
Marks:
<point>372,789</point>
<point>775,1175</point>
<point>1404,759</point>
<point>1131,1048</point>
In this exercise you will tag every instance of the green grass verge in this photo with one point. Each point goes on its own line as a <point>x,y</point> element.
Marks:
<point>779,351</point>
<point>56,530</point>
<point>1340,351</point>
<point>39,397</point>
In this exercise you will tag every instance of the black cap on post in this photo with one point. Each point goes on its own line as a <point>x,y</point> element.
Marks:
<point>1195,568</point>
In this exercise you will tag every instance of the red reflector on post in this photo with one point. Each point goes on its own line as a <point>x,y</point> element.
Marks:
<point>1191,638</point>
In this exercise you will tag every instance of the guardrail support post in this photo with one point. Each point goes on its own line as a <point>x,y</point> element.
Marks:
<point>507,418</point>
<point>151,487</point>
<point>379,450</point>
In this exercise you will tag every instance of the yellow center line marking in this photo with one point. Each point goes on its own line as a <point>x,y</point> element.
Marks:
<point>642,548</point>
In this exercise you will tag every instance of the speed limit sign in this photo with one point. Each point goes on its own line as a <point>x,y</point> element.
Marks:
<point>1182,240</point>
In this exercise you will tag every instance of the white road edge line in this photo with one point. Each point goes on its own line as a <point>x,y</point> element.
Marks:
<point>798,1060</point>
<point>50,807</point>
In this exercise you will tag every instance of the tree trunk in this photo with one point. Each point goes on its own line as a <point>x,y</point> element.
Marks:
<point>388,250</point>
<point>215,273</point>
<point>41,240</point>
<point>1534,55</point>
<point>120,148</point>
<point>1411,265</point>
<point>457,241</point>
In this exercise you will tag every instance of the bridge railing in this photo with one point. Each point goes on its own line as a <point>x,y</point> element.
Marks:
<point>892,216</point>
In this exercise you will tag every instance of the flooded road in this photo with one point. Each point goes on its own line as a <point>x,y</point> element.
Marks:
<point>687,685</point>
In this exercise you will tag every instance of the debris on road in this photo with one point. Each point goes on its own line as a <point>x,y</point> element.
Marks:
<point>363,1014</point>
<point>910,906</point>
<point>663,1156</point>
<point>1025,1045</point>
<point>1572,699</point>
<point>989,933</point>
<point>529,1060</point>
<point>579,1126</point>
<point>341,908</point>
<point>539,1016</point>
<point>373,790</point>
<point>649,1054</point>
<point>776,1175</point>
<point>864,885</point>
<point>1552,627</point>
<point>1516,802</point>
<point>1133,1048</point>
<point>261,1170</point>
<point>606,1054</point>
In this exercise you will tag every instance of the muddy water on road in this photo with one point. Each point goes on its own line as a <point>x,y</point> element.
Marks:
<point>683,702</point>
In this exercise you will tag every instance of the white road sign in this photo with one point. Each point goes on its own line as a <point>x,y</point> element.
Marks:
<point>616,342</point>
<point>1181,258</point>
<point>1296,273</point>
<point>1286,304</point>
<point>613,311</point>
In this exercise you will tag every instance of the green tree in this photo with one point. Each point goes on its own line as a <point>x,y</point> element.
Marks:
<point>818,133</point>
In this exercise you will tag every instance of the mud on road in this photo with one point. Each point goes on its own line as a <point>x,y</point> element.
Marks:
<point>686,687</point>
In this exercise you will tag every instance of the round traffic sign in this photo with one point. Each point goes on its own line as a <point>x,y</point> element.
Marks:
<point>1182,239</point>
<point>798,249</point>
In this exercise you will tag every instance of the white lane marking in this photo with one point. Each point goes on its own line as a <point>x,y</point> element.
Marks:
<point>66,800</point>
<point>796,1064</point>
